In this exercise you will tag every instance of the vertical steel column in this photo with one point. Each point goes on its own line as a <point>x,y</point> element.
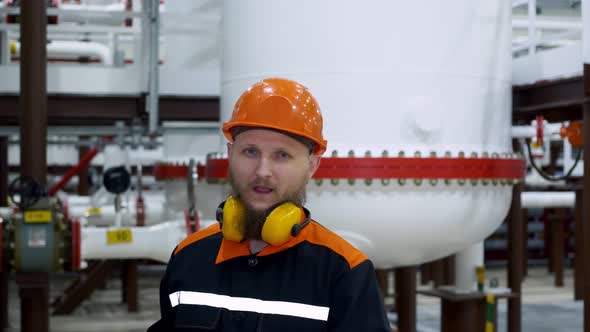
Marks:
<point>579,249</point>
<point>558,220</point>
<point>525,242</point>
<point>438,272</point>
<point>3,300</point>
<point>382,281</point>
<point>3,170</point>
<point>130,289</point>
<point>586,197</point>
<point>405,291</point>
<point>3,202</point>
<point>33,91</point>
<point>586,178</point>
<point>33,287</point>
<point>515,260</point>
<point>549,240</point>
<point>425,273</point>
<point>449,278</point>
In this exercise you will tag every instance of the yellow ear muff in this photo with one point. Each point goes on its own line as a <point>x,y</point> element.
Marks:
<point>277,227</point>
<point>234,223</point>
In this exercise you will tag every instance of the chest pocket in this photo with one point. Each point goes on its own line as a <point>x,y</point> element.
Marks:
<point>283,323</point>
<point>196,318</point>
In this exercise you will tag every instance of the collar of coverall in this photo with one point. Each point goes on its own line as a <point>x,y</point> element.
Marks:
<point>232,249</point>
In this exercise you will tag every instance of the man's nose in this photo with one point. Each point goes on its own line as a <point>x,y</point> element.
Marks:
<point>264,168</point>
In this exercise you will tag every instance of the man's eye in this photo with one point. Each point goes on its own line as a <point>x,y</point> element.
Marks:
<point>283,155</point>
<point>249,152</point>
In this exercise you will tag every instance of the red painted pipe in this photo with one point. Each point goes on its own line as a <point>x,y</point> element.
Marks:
<point>84,162</point>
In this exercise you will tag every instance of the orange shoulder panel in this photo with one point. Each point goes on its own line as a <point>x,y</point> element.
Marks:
<point>203,233</point>
<point>319,235</point>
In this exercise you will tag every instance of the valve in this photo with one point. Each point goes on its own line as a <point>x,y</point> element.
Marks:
<point>574,133</point>
<point>24,191</point>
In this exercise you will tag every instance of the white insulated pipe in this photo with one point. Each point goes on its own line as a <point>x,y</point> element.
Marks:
<point>547,199</point>
<point>150,242</point>
<point>113,7</point>
<point>5,212</point>
<point>545,24</point>
<point>466,263</point>
<point>68,48</point>
<point>531,131</point>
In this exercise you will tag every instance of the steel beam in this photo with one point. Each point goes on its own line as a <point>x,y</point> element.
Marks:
<point>4,299</point>
<point>579,248</point>
<point>405,299</point>
<point>515,260</point>
<point>557,220</point>
<point>34,300</point>
<point>81,288</point>
<point>556,100</point>
<point>3,170</point>
<point>586,200</point>
<point>33,91</point>
<point>74,110</point>
<point>129,283</point>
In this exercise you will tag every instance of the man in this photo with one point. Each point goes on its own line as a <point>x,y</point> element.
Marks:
<point>267,266</point>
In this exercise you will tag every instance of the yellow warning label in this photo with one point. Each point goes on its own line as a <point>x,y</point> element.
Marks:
<point>93,212</point>
<point>12,47</point>
<point>119,236</point>
<point>37,216</point>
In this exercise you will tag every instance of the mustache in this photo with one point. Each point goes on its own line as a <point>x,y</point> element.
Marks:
<point>262,182</point>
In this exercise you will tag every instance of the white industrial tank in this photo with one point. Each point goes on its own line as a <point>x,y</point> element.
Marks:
<point>413,78</point>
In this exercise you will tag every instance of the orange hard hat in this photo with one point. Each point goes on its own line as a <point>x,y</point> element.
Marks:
<point>280,104</point>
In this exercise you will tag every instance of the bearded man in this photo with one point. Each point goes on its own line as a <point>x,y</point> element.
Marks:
<point>267,265</point>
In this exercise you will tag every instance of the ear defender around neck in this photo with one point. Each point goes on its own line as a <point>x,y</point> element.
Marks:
<point>231,216</point>
<point>284,220</point>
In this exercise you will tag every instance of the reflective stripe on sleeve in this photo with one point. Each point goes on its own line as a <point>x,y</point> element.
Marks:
<point>250,304</point>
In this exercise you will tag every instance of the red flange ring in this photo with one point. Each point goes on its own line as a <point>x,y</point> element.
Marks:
<point>170,171</point>
<point>401,168</point>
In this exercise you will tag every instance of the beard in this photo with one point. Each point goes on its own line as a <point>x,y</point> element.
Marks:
<point>255,218</point>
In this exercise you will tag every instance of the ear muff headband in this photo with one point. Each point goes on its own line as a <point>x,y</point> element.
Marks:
<point>283,221</point>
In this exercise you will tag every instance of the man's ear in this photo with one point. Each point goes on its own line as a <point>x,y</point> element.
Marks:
<point>314,164</point>
<point>229,146</point>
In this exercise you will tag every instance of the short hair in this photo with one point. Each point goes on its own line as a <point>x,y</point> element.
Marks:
<point>309,144</point>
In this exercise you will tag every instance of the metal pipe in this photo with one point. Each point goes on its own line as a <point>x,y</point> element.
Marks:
<point>531,131</point>
<point>544,24</point>
<point>84,162</point>
<point>548,199</point>
<point>466,262</point>
<point>138,243</point>
<point>67,48</point>
<point>532,20</point>
<point>154,44</point>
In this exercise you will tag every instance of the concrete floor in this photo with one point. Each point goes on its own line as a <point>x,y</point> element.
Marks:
<point>545,308</point>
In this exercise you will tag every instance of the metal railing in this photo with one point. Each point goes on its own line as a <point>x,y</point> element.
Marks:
<point>542,33</point>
